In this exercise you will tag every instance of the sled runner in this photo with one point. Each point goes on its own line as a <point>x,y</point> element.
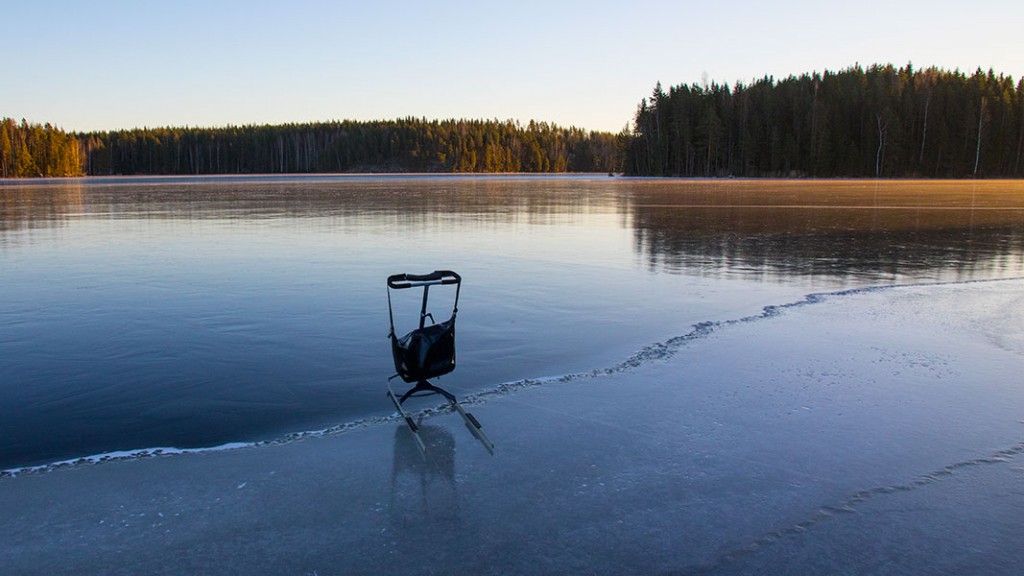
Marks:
<point>428,351</point>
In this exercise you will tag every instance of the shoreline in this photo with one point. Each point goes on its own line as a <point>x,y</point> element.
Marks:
<point>350,176</point>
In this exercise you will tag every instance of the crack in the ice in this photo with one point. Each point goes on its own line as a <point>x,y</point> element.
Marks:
<point>668,348</point>
<point>849,505</point>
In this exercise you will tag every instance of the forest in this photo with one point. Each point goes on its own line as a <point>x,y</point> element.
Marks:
<point>407,145</point>
<point>37,150</point>
<point>879,122</point>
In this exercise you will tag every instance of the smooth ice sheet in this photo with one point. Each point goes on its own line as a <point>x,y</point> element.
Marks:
<point>869,432</point>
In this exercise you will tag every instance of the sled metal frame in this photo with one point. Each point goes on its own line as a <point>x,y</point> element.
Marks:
<point>423,387</point>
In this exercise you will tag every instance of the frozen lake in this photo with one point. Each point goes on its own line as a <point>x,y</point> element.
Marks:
<point>868,432</point>
<point>181,312</point>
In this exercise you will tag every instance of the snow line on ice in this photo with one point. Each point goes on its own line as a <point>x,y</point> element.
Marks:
<point>849,506</point>
<point>653,352</point>
<point>140,453</point>
<point>117,455</point>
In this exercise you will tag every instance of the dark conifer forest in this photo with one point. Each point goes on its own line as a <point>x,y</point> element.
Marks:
<point>883,122</point>
<point>407,145</point>
<point>879,122</point>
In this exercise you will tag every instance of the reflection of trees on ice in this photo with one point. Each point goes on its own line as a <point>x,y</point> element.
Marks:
<point>423,491</point>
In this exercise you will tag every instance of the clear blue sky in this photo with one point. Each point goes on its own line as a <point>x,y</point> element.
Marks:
<point>99,65</point>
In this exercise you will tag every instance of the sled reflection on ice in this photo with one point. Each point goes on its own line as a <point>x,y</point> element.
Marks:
<point>423,490</point>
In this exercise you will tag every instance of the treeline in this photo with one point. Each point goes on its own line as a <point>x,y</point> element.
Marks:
<point>879,122</point>
<point>29,150</point>
<point>407,145</point>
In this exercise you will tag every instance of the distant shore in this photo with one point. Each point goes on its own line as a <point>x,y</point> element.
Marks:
<point>342,176</point>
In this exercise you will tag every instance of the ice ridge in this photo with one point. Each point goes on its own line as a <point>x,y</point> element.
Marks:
<point>668,348</point>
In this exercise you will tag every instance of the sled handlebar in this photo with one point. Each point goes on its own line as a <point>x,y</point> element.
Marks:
<point>399,281</point>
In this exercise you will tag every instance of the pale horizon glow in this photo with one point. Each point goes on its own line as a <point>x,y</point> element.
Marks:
<point>110,65</point>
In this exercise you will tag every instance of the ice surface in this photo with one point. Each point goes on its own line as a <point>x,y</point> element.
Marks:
<point>868,432</point>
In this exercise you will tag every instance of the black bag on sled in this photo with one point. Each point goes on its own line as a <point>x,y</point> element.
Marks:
<point>427,351</point>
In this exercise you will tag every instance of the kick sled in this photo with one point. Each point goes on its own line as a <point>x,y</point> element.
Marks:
<point>427,352</point>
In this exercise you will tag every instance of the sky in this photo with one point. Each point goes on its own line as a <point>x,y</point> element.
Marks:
<point>109,65</point>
